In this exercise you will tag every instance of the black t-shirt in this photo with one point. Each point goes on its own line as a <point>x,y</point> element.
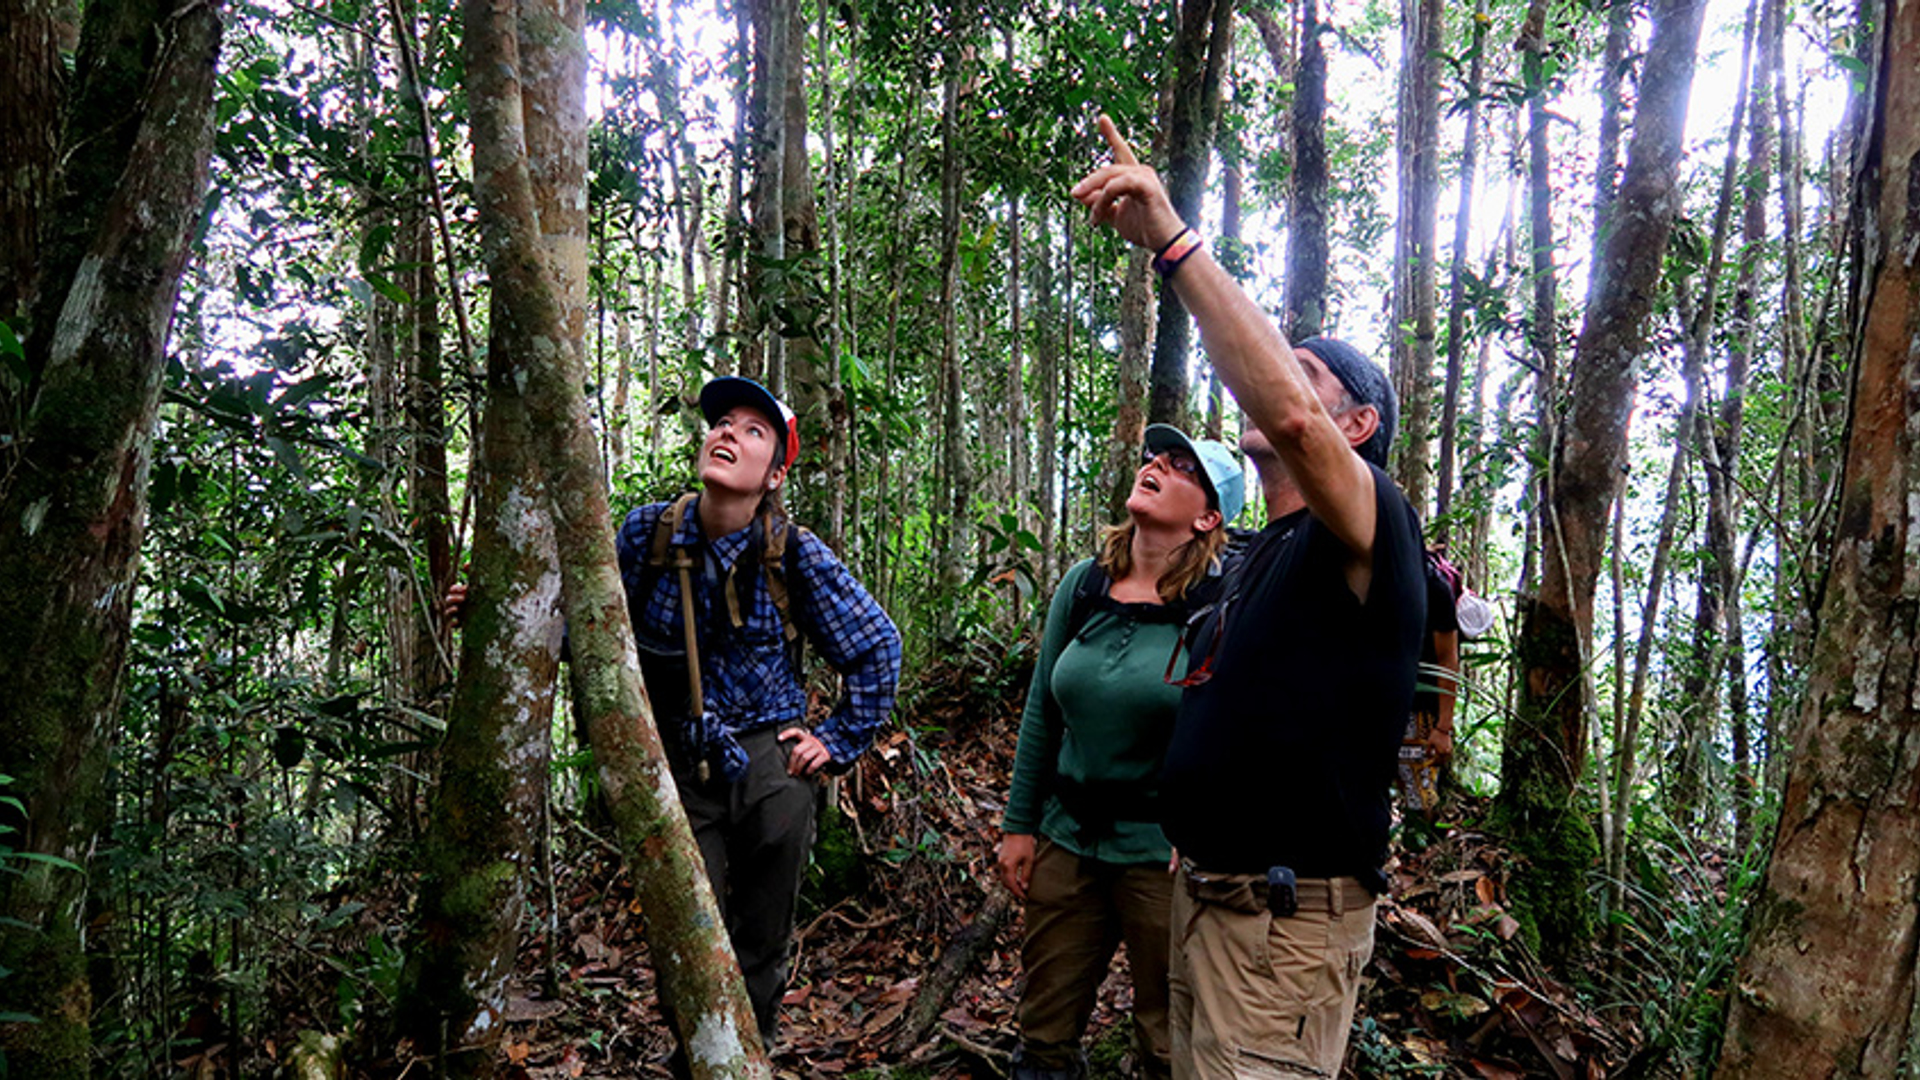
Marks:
<point>1284,757</point>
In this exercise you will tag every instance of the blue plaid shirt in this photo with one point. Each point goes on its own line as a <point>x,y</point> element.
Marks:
<point>745,677</point>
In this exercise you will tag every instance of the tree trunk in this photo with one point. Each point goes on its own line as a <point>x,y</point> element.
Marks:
<point>1457,281</point>
<point>956,490</point>
<point>36,34</point>
<point>1700,683</point>
<point>1307,245</point>
<point>1130,421</point>
<point>1543,320</point>
<point>687,941</point>
<point>1544,757</point>
<point>1201,51</point>
<point>1414,244</point>
<point>73,512</point>
<point>479,852</point>
<point>1826,987</point>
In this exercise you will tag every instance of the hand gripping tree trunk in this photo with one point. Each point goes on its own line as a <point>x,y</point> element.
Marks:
<point>1544,758</point>
<point>1827,984</point>
<point>492,793</point>
<point>73,509</point>
<point>687,942</point>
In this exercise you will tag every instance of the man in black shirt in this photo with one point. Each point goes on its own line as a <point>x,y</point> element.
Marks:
<point>1277,782</point>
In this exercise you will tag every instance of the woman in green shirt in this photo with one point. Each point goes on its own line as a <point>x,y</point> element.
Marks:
<point>1080,843</point>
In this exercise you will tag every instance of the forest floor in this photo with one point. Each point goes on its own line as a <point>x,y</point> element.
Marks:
<point>1450,990</point>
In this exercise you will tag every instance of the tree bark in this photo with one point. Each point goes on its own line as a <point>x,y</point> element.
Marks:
<point>1414,245</point>
<point>1201,51</point>
<point>36,33</point>
<point>479,853</point>
<point>1826,987</point>
<point>1545,753</point>
<point>1130,420</point>
<point>1457,281</point>
<point>1307,247</point>
<point>687,941</point>
<point>73,513</point>
<point>1700,683</point>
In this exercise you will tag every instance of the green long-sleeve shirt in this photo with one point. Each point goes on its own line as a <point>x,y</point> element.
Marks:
<point>1095,729</point>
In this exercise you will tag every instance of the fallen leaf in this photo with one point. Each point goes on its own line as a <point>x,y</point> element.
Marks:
<point>1485,891</point>
<point>518,1052</point>
<point>1488,1070</point>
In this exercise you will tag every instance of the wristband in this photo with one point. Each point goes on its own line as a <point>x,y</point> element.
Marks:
<point>1176,252</point>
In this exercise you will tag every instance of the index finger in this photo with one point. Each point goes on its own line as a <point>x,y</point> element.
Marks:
<point>1122,153</point>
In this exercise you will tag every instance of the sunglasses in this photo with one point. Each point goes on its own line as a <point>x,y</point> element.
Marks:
<point>1181,462</point>
<point>1198,674</point>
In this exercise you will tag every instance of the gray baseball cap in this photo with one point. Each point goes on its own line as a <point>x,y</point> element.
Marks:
<point>1366,384</point>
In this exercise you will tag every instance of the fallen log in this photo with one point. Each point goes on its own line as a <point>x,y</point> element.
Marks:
<point>930,1000</point>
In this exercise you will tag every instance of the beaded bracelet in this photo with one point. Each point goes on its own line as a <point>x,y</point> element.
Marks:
<point>1176,252</point>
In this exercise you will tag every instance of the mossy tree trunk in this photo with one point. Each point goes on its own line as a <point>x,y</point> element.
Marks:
<point>1544,756</point>
<point>482,837</point>
<point>687,941</point>
<point>1826,987</point>
<point>73,506</point>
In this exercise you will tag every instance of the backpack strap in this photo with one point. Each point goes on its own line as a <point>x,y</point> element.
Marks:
<point>774,559</point>
<point>1093,585</point>
<point>665,553</point>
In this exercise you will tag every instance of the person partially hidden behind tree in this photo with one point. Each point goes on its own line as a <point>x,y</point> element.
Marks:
<point>1277,786</point>
<point>726,684</point>
<point>1081,842</point>
<point>733,717</point>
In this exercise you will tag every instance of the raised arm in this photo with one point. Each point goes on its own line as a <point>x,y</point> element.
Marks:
<point>1252,357</point>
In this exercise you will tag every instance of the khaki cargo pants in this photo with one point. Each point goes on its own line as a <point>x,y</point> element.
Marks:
<point>1254,995</point>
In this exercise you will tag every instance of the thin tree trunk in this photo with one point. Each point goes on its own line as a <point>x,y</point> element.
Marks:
<point>1307,245</point>
<point>1700,683</point>
<point>1130,420</point>
<point>1201,52</point>
<point>1545,752</point>
<point>72,515</point>
<point>1414,244</point>
<point>1457,280</point>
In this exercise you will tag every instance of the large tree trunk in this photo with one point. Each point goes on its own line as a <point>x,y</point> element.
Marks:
<point>1826,987</point>
<point>73,510</point>
<point>482,837</point>
<point>1545,754</point>
<point>35,34</point>
<point>1200,53</point>
<point>688,944</point>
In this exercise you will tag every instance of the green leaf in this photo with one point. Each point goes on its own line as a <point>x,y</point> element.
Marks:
<point>289,456</point>
<point>387,288</point>
<point>44,859</point>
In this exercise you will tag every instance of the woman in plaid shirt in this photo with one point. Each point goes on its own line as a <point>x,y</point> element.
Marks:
<point>745,761</point>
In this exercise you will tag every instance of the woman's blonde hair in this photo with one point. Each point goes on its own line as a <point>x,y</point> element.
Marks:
<point>1191,562</point>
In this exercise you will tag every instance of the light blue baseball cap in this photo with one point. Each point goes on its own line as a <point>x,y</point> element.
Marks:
<point>1222,477</point>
